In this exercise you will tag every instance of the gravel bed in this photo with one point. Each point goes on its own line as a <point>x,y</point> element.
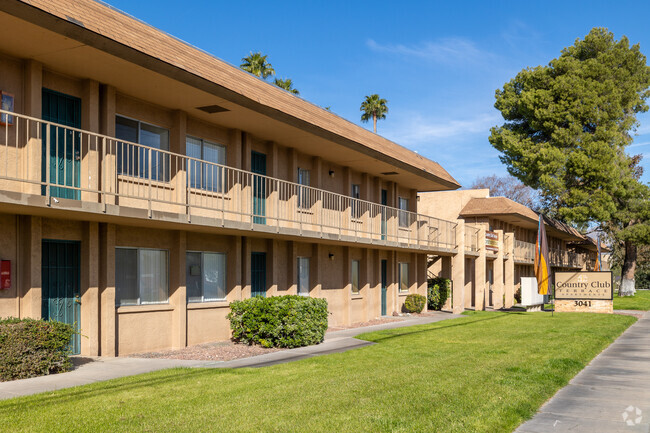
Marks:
<point>220,351</point>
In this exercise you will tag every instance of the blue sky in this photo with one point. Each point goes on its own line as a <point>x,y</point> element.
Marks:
<point>437,63</point>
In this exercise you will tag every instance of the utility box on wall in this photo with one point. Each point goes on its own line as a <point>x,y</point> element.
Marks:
<point>5,274</point>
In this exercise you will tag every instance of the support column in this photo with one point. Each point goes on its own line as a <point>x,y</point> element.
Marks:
<point>29,265</point>
<point>458,271</point>
<point>316,271</point>
<point>273,256</point>
<point>234,270</point>
<point>479,271</point>
<point>365,283</point>
<point>245,267</point>
<point>33,86</point>
<point>497,274</point>
<point>108,160</point>
<point>90,147</point>
<point>108,327</point>
<point>347,285</point>
<point>178,295</point>
<point>234,149</point>
<point>509,271</point>
<point>90,299</point>
<point>178,144</point>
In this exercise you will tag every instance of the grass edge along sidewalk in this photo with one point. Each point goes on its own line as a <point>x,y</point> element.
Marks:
<point>487,372</point>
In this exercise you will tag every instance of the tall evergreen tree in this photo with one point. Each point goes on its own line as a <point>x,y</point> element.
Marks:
<point>567,127</point>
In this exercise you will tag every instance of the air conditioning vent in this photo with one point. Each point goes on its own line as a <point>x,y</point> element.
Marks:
<point>211,109</point>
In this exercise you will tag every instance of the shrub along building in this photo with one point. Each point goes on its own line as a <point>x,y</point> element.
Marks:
<point>497,236</point>
<point>145,184</point>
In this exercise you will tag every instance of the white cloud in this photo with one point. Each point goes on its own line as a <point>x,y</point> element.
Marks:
<point>642,144</point>
<point>416,129</point>
<point>446,50</point>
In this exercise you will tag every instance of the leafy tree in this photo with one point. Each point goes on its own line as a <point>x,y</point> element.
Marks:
<point>566,129</point>
<point>374,108</point>
<point>256,64</point>
<point>510,187</point>
<point>286,85</point>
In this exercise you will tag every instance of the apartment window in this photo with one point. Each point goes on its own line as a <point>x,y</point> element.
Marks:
<point>355,276</point>
<point>403,214</point>
<point>303,276</point>
<point>304,199</point>
<point>403,277</point>
<point>205,276</point>
<point>355,194</point>
<point>141,276</point>
<point>139,161</point>
<point>205,174</point>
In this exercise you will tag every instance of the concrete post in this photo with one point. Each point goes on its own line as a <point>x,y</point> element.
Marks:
<point>108,327</point>
<point>479,271</point>
<point>30,266</point>
<point>509,271</point>
<point>33,85</point>
<point>497,274</point>
<point>178,290</point>
<point>458,270</point>
<point>315,266</point>
<point>90,299</point>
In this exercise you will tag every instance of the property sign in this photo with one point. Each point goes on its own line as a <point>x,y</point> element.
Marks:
<point>492,241</point>
<point>584,286</point>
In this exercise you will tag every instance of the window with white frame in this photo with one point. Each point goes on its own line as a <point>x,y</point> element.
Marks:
<point>304,200</point>
<point>205,276</point>
<point>138,160</point>
<point>303,276</point>
<point>205,174</point>
<point>403,277</point>
<point>355,276</point>
<point>404,215</point>
<point>141,276</point>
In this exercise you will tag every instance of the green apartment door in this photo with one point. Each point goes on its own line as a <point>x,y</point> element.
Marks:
<point>65,145</point>
<point>61,275</point>
<point>258,274</point>
<point>258,166</point>
<point>384,285</point>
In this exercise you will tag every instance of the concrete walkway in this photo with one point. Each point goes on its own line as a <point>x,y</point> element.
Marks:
<point>90,370</point>
<point>612,394</point>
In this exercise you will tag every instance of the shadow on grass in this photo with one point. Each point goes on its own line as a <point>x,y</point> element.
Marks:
<point>399,332</point>
<point>70,395</point>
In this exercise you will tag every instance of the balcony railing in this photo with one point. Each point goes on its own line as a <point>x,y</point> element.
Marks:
<point>56,161</point>
<point>566,259</point>
<point>471,238</point>
<point>524,251</point>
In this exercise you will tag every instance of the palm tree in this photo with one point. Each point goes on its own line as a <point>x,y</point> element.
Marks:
<point>286,85</point>
<point>374,107</point>
<point>256,64</point>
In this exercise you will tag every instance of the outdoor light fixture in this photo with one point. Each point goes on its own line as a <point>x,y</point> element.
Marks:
<point>331,173</point>
<point>331,256</point>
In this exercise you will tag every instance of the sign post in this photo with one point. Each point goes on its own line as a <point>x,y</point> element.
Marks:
<point>589,292</point>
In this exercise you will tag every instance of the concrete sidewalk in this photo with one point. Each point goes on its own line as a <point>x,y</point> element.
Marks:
<point>612,394</point>
<point>90,370</point>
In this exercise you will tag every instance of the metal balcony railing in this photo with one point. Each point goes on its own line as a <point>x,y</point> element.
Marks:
<point>524,251</point>
<point>56,161</point>
<point>471,238</point>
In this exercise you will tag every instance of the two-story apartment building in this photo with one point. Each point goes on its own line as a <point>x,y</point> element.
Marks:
<point>498,246</point>
<point>145,184</point>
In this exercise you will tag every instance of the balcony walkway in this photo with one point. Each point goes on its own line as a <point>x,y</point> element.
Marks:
<point>52,166</point>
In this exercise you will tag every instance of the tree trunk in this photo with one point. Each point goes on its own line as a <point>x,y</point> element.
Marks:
<point>374,122</point>
<point>627,273</point>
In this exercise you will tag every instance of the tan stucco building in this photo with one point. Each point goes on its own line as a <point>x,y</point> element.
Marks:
<point>496,246</point>
<point>145,184</point>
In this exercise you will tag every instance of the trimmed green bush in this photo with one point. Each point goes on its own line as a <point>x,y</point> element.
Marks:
<point>438,292</point>
<point>279,321</point>
<point>414,303</point>
<point>518,296</point>
<point>30,348</point>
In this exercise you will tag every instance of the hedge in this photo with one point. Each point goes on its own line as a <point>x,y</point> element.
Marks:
<point>279,321</point>
<point>438,292</point>
<point>30,348</point>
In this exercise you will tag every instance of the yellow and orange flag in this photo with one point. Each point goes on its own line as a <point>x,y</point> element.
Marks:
<point>598,264</point>
<point>542,272</point>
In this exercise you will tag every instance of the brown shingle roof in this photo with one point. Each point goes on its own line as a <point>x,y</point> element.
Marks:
<point>110,23</point>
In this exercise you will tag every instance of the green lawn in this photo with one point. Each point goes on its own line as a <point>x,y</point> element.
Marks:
<point>486,372</point>
<point>640,301</point>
